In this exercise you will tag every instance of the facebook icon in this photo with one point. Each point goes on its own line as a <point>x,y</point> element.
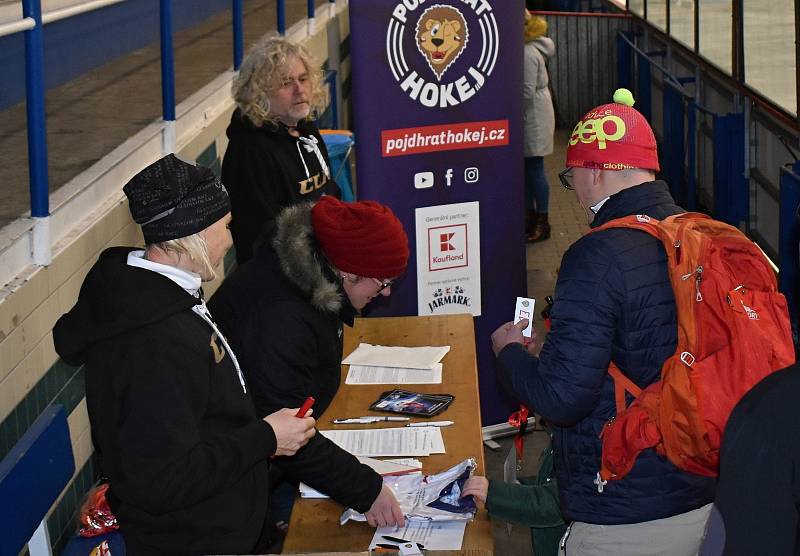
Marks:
<point>448,176</point>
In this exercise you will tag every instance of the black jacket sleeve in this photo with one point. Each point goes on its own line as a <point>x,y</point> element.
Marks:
<point>326,467</point>
<point>167,462</point>
<point>285,371</point>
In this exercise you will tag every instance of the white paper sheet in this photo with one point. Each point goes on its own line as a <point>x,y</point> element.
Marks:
<point>390,467</point>
<point>434,442</point>
<point>362,374</point>
<point>435,535</point>
<point>397,356</point>
<point>396,441</point>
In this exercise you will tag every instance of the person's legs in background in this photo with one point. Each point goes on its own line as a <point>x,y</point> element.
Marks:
<point>537,198</point>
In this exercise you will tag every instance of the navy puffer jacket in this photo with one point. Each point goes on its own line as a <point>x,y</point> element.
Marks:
<point>613,302</point>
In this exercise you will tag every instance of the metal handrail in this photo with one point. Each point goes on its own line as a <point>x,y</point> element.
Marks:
<point>17,26</point>
<point>28,23</point>
<point>64,13</point>
<point>675,82</point>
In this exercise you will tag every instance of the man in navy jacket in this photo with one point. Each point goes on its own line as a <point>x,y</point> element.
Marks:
<point>613,302</point>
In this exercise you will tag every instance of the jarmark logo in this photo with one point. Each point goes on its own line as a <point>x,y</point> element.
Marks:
<point>442,36</point>
<point>454,295</point>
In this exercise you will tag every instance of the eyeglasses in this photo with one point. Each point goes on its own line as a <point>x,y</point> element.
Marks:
<point>384,284</point>
<point>565,176</point>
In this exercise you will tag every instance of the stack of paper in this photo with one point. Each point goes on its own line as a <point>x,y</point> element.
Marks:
<point>395,356</point>
<point>371,364</point>
<point>362,374</point>
<point>398,441</point>
<point>384,467</point>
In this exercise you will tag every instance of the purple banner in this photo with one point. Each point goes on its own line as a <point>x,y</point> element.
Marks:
<point>437,103</point>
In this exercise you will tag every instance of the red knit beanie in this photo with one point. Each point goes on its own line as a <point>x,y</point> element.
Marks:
<point>363,238</point>
<point>613,137</point>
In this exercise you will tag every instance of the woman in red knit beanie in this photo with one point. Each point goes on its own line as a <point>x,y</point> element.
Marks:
<point>284,313</point>
<point>365,241</point>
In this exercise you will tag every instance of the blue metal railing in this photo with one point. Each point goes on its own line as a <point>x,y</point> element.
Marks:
<point>32,26</point>
<point>678,156</point>
<point>281,17</point>
<point>37,124</point>
<point>789,238</point>
<point>167,62</point>
<point>238,33</point>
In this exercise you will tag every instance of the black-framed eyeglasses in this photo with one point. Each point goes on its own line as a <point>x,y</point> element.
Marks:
<point>565,176</point>
<point>384,284</point>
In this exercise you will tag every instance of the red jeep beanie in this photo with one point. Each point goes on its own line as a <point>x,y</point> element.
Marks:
<point>363,238</point>
<point>613,137</point>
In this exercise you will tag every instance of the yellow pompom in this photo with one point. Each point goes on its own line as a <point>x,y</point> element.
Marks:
<point>623,96</point>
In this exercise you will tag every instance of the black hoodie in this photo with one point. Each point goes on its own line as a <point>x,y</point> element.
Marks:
<point>185,453</point>
<point>265,170</point>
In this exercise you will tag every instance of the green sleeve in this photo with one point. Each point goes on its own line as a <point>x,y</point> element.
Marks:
<point>532,505</point>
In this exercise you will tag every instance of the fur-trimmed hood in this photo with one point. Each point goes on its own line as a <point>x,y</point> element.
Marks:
<point>302,262</point>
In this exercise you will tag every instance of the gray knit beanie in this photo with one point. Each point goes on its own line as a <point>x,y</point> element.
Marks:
<point>171,199</point>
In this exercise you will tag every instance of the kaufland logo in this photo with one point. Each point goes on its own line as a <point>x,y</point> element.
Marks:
<point>442,36</point>
<point>447,247</point>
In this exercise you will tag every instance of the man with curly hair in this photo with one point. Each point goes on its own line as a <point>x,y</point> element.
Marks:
<point>276,156</point>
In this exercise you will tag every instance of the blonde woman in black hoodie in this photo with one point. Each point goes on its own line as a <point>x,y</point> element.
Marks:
<point>275,156</point>
<point>171,415</point>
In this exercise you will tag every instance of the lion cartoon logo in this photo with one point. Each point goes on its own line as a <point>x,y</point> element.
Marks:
<point>441,37</point>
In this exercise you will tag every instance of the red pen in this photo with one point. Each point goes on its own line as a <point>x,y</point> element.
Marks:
<point>305,407</point>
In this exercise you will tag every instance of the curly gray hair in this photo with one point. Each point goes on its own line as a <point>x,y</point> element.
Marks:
<point>263,71</point>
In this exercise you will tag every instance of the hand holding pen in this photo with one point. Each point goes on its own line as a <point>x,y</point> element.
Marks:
<point>292,427</point>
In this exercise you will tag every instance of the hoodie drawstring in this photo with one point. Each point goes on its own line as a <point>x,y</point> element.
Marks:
<point>201,310</point>
<point>311,144</point>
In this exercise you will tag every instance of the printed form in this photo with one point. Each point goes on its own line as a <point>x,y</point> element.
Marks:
<point>362,374</point>
<point>435,535</point>
<point>397,441</point>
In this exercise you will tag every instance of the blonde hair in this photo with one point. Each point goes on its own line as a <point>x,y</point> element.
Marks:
<point>263,71</point>
<point>194,247</point>
<point>535,27</point>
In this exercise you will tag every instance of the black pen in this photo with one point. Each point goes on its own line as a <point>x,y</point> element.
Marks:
<point>401,541</point>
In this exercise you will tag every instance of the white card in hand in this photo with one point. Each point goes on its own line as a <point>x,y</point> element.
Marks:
<point>525,311</point>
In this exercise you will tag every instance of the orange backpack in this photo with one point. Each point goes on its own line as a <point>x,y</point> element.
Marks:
<point>733,330</point>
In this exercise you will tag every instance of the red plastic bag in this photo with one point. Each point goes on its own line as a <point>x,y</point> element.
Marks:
<point>96,517</point>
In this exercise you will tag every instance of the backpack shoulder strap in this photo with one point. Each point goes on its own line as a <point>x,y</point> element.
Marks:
<point>637,222</point>
<point>622,384</point>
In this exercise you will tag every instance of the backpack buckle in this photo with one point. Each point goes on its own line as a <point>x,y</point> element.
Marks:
<point>687,358</point>
<point>600,482</point>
